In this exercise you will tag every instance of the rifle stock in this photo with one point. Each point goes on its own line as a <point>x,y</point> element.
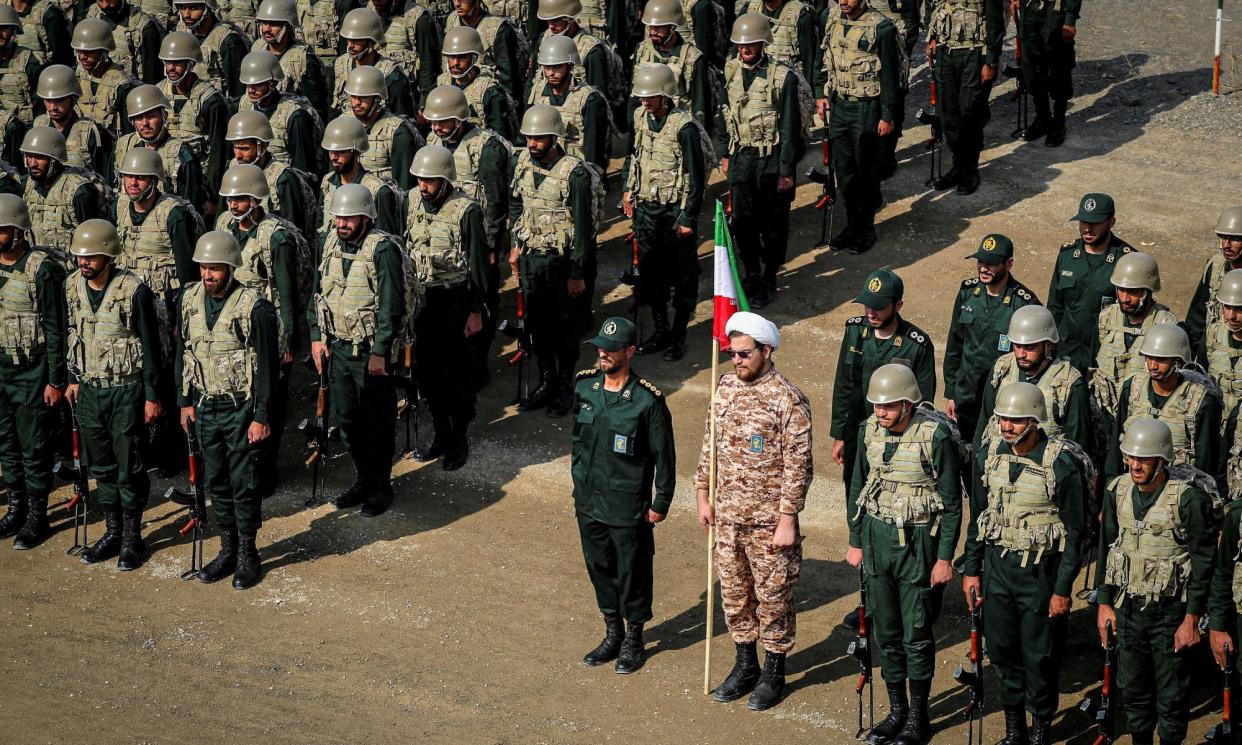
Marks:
<point>860,649</point>
<point>77,504</point>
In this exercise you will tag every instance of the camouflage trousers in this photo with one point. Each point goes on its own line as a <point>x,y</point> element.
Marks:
<point>757,585</point>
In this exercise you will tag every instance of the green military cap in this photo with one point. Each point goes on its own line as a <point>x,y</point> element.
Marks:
<point>993,249</point>
<point>1095,207</point>
<point>883,287</point>
<point>616,334</point>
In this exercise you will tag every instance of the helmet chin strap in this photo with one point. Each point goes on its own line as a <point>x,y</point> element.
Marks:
<point>474,65</point>
<point>201,19</point>
<point>280,36</point>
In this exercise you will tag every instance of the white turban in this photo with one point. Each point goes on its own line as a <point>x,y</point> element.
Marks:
<point>755,326</point>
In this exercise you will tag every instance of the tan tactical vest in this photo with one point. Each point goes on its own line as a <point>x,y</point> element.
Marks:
<point>218,361</point>
<point>327,189</point>
<point>959,24</point>
<point>240,12</point>
<point>1213,273</point>
<point>657,166</point>
<point>146,249</point>
<point>272,172</point>
<point>476,94</point>
<point>1149,560</point>
<point>293,62</point>
<point>170,156</point>
<point>378,158</point>
<point>489,26</point>
<point>853,72</point>
<point>1056,383</point>
<point>77,139</point>
<point>682,62</point>
<point>34,32</point>
<point>1114,362</point>
<point>784,46</point>
<point>128,37</point>
<point>348,302</point>
<point>1224,363</point>
<point>516,11</point>
<point>594,17</point>
<point>1022,516</point>
<point>100,96</point>
<point>21,324</point>
<point>317,22</point>
<point>15,92</point>
<point>1180,411</point>
<point>400,38</point>
<point>52,218</point>
<point>104,348</point>
<point>342,66</point>
<point>752,116</point>
<point>258,268</point>
<point>902,492</point>
<point>212,68</point>
<point>288,105</point>
<point>433,238</point>
<point>585,43</point>
<point>546,224</point>
<point>466,159</point>
<point>183,113</point>
<point>571,113</point>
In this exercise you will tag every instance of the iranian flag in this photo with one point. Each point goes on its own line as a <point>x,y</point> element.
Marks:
<point>729,297</point>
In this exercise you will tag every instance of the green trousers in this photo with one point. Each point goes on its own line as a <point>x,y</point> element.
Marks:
<point>760,213</point>
<point>666,262</point>
<point>364,406</point>
<point>111,423</point>
<point>277,415</point>
<point>963,104</point>
<point>901,602</point>
<point>1154,680</point>
<point>619,563</point>
<point>446,362</point>
<point>555,320</point>
<point>27,447</point>
<point>230,463</point>
<point>1047,59</point>
<point>857,157</point>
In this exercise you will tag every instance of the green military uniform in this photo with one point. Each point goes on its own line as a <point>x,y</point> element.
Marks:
<point>291,196</point>
<point>490,106</point>
<point>1225,593</point>
<point>1065,390</point>
<point>296,127</point>
<point>320,25</point>
<point>19,74</point>
<point>88,145</point>
<point>305,74</point>
<point>1192,411</point>
<point>1204,312</point>
<point>46,31</point>
<point>223,44</point>
<point>182,166</point>
<point>137,38</point>
<point>587,121</point>
<point>1081,286</point>
<point>401,97</point>
<point>1117,353</point>
<point>703,19</point>
<point>1048,60</point>
<point>103,96</point>
<point>199,116</point>
<point>500,50</point>
<point>387,200</point>
<point>694,78</point>
<point>394,140</point>
<point>594,68</point>
<point>412,37</point>
<point>71,198</point>
<point>795,34</point>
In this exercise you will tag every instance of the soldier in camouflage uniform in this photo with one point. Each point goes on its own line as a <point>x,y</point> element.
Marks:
<point>226,368</point>
<point>491,106</point>
<point>1157,546</point>
<point>32,373</point>
<point>183,172</point>
<point>613,476</point>
<point>583,108</point>
<point>289,192</point>
<point>136,35</point>
<point>87,144</point>
<point>222,44</point>
<point>295,124</point>
<point>499,36</point>
<point>45,30</point>
<point>1024,542</point>
<point>1047,29</point>
<point>763,471</point>
<point>59,196</point>
<point>103,81</point>
<point>363,32</point>
<point>305,74</point>
<point>1205,309</point>
<point>1224,341</point>
<point>19,73</point>
<point>393,138</point>
<point>345,141</point>
<point>413,37</point>
<point>198,112</point>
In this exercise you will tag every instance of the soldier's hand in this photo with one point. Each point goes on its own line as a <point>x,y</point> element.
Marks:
<point>987,74</point>
<point>258,433</point>
<point>684,231</point>
<point>930,49</point>
<point>838,452</point>
<point>707,516</point>
<point>474,324</point>
<point>784,184</point>
<point>1059,605</point>
<point>71,393</point>
<point>724,165</point>
<point>188,417</point>
<point>52,396</point>
<point>576,287</point>
<point>654,517</point>
<point>854,557</point>
<point>377,366</point>
<point>1221,643</point>
<point>972,583</point>
<point>786,534</point>
<point>1068,33</point>
<point>884,129</point>
<point>1103,618</point>
<point>950,409</point>
<point>513,260</point>
<point>1187,634</point>
<point>319,352</point>
<point>1014,6</point>
<point>822,106</point>
<point>151,411</point>
<point>627,205</point>
<point>286,358</point>
<point>941,573</point>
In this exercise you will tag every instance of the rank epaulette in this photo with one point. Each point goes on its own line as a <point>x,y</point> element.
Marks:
<point>970,282</point>
<point>855,321</point>
<point>587,373</point>
<point>655,391</point>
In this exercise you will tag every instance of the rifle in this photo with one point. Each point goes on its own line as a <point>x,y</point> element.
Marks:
<point>826,177</point>
<point>974,676</point>
<point>1014,71</point>
<point>519,333</point>
<point>196,502</point>
<point>410,404</point>
<point>860,649</point>
<point>317,435</point>
<point>81,488</point>
<point>1104,708</point>
<point>631,278</point>
<point>1223,733</point>
<point>931,117</point>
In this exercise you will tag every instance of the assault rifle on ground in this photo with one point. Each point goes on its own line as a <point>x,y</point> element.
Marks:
<point>197,504</point>
<point>826,177</point>
<point>1104,706</point>
<point>860,649</point>
<point>81,489</point>
<point>317,433</point>
<point>973,678</point>
<point>1222,734</point>
<point>518,332</point>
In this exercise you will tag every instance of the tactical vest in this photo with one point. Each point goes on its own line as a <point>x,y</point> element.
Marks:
<point>784,46</point>
<point>683,64</point>
<point>546,224</point>
<point>52,218</point>
<point>100,98</point>
<point>1237,576</point>
<point>272,172</point>
<point>1056,383</point>
<point>378,158</point>
<point>170,156</point>
<point>240,12</point>
<point>183,113</point>
<point>1213,274</point>
<point>1149,560</point>
<point>327,189</point>
<point>902,491</point>
<point>571,114</point>
<point>77,139</point>
<point>212,68</point>
<point>593,18</point>
<point>467,157</point>
<point>516,11</point>
<point>347,303</point>
<point>1180,410</point>
<point>853,72</point>
<point>433,238</point>
<point>293,62</point>
<point>317,22</point>
<point>1233,470</point>
<point>21,323</point>
<point>258,268</point>
<point>476,94</point>
<point>657,167</point>
<point>34,32</point>
<point>959,24</point>
<point>1022,515</point>
<point>146,249</point>
<point>15,92</point>
<point>218,361</point>
<point>128,37</point>
<point>1224,363</point>
<point>488,28</point>
<point>104,348</point>
<point>288,105</point>
<point>752,116</point>
<point>400,38</point>
<point>343,65</point>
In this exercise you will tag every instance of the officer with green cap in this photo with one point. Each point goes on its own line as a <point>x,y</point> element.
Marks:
<point>363,32</point>
<point>1082,279</point>
<point>306,74</point>
<point>148,109</point>
<point>346,143</point>
<point>294,121</point>
<point>1046,29</point>
<point>877,337</point>
<point>104,82</point>
<point>413,37</point>
<point>1205,307</point>
<point>393,138</point>
<point>290,195</point>
<point>364,293</point>
<point>59,196</point>
<point>499,37</point>
<point>1224,341</point>
<point>622,451</point>
<point>114,360</point>
<point>1157,546</point>
<point>979,331</point>
<point>222,41</point>
<point>32,373</point>
<point>87,143</point>
<point>198,112</point>
<point>1024,544</point>
<point>904,509</point>
<point>584,108</point>
<point>444,235</point>
<point>1032,358</point>
<point>45,30</point>
<point>137,38</point>
<point>664,44</point>
<point>19,73</point>
<point>227,363</point>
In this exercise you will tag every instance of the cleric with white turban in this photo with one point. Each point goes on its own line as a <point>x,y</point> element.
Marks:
<point>755,326</point>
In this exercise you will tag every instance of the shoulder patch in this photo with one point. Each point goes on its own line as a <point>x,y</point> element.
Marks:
<point>587,373</point>
<point>1025,295</point>
<point>970,282</point>
<point>1067,246</point>
<point>1126,249</point>
<point>654,391</point>
<point>855,321</point>
<point>918,335</point>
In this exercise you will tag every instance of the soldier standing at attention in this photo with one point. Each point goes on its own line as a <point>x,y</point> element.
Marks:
<point>614,475</point>
<point>59,196</point>
<point>87,144</point>
<point>500,43</point>
<point>1047,29</point>
<point>795,33</point>
<point>290,195</point>
<point>198,112</point>
<point>1224,341</point>
<point>363,33</point>
<point>103,81</point>
<point>305,73</point>
<point>763,456</point>
<point>393,138</point>
<point>221,42</point>
<point>139,56</point>
<point>295,124</point>
<point>1205,309</point>
<point>19,76</point>
<point>183,170</point>
<point>490,106</point>
<point>346,142</point>
<point>583,108</point>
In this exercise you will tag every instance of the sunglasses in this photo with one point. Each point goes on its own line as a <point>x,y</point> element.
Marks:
<point>742,354</point>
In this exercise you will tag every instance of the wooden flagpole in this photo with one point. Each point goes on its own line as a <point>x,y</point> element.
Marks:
<point>711,530</point>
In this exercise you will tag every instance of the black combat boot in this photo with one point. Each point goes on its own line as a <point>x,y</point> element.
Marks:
<point>677,347</point>
<point>742,677</point>
<point>225,561</point>
<point>247,573</point>
<point>1015,726</point>
<point>133,549</point>
<point>771,685</point>
<point>969,184</point>
<point>459,450</point>
<point>351,497</point>
<point>35,530</point>
<point>109,545</point>
<point>865,240</point>
<point>1040,734</point>
<point>918,727</point>
<point>1143,738</point>
<point>950,179</point>
<point>851,619</point>
<point>15,518</point>
<point>442,427</point>
<point>898,708</point>
<point>1056,132</point>
<point>844,239</point>
<point>610,647</point>
<point>632,655</point>
<point>563,401</point>
<point>660,337</point>
<point>379,499</point>
<point>544,392</point>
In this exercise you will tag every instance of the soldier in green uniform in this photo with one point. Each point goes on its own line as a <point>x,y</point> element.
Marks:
<point>345,140</point>
<point>1224,340</point>
<point>904,510</point>
<point>221,43</point>
<point>1157,546</point>
<point>978,333</point>
<point>320,24</point>
<point>32,373</point>
<point>1082,279</point>
<point>1047,29</point>
<point>289,191</point>
<point>104,82</point>
<point>763,118</point>
<point>413,37</point>
<point>295,124</point>
<point>356,320</point>
<point>183,172</point>
<point>363,32</point>
<point>665,45</point>
<point>860,108</point>
<point>19,74</point>
<point>491,106</point>
<point>795,34</point>
<point>1225,593</point>
<point>45,31</point>
<point>1024,541</point>
<point>305,74</point>
<point>227,364</point>
<point>500,43</point>
<point>444,235</point>
<point>561,17</point>
<point>662,193</point>
<point>59,196</point>
<point>198,112</point>
<point>622,451</point>
<point>1205,310</point>
<point>393,138</point>
<point>137,38</point>
<point>113,354</point>
<point>87,144</point>
<point>1032,358</point>
<point>552,211</point>
<point>583,108</point>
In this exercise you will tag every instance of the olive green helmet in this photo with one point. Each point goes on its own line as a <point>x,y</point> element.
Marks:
<point>542,119</point>
<point>46,141</point>
<point>1148,438</point>
<point>1166,340</point>
<point>434,161</point>
<point>892,383</point>
<point>249,125</point>
<point>363,23</point>
<point>181,45</point>
<point>558,50</point>
<point>218,247</point>
<point>144,98</point>
<point>365,80</point>
<point>1230,222</point>
<point>95,237</point>
<point>58,81</point>
<point>345,133</point>
<point>92,34</point>
<point>1230,291</point>
<point>1021,401</point>
<point>142,161</point>
<point>212,5</point>
<point>244,180</point>
<point>553,9</point>
<point>13,211</point>
<point>750,28</point>
<point>9,17</point>
<point>351,200</point>
<point>278,11</point>
<point>260,67</point>
<point>446,102</point>
<point>664,13</point>
<point>462,40</point>
<point>1137,271</point>
<point>1032,324</point>
<point>654,79</point>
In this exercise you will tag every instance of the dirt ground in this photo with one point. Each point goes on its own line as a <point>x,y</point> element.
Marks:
<point>461,616</point>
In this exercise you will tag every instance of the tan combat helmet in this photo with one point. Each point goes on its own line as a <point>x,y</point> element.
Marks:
<point>1032,324</point>
<point>13,212</point>
<point>1230,222</point>
<point>1021,401</point>
<point>558,50</point>
<point>433,161</point>
<point>364,81</point>
<point>1166,340</point>
<point>144,98</point>
<point>92,34</point>
<point>542,119</point>
<point>1137,271</point>
<point>751,28</point>
<point>260,67</point>
<point>249,125</point>
<point>654,79</point>
<point>278,11</point>
<point>95,237</point>
<point>142,161</point>
<point>218,247</point>
<point>351,200</point>
<point>892,383</point>
<point>461,40</point>
<point>58,81</point>
<point>363,23</point>
<point>446,102</point>
<point>244,180</point>
<point>664,13</point>
<point>9,17</point>
<point>1148,438</point>
<point>45,141</point>
<point>181,45</point>
<point>550,10</point>
<point>1230,292</point>
<point>345,133</point>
